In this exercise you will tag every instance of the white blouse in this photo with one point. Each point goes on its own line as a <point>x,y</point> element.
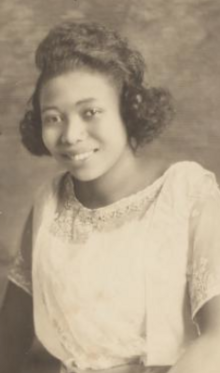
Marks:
<point>123,283</point>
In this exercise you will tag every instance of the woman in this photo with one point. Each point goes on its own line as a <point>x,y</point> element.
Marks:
<point>121,257</point>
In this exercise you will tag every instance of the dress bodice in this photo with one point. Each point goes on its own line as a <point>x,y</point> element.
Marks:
<point>122,283</point>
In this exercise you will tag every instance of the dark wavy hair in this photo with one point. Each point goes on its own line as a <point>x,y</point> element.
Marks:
<point>72,45</point>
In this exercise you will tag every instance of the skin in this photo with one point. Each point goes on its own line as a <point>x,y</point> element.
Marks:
<point>78,119</point>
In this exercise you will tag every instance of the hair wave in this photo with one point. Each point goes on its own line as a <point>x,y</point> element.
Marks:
<point>145,110</point>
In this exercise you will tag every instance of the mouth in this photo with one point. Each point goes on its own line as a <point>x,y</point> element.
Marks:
<point>79,157</point>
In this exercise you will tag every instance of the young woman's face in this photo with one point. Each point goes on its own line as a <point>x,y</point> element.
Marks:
<point>82,126</point>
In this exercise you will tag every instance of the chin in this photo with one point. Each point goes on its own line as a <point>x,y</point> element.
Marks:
<point>84,176</point>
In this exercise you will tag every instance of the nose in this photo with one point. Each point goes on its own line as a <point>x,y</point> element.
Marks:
<point>74,131</point>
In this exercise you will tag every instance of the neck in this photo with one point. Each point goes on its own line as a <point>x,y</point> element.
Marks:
<point>104,191</point>
<point>110,188</point>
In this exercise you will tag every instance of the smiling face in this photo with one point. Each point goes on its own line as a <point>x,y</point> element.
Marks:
<point>82,126</point>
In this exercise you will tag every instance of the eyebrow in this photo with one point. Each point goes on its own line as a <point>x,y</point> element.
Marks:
<point>45,108</point>
<point>78,103</point>
<point>85,101</point>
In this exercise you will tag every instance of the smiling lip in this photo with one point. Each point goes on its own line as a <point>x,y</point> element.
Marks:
<point>79,157</point>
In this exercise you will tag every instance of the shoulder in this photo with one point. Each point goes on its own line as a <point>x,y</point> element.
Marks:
<point>191,178</point>
<point>190,169</point>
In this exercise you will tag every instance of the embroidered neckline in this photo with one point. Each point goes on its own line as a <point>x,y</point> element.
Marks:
<point>74,222</point>
<point>148,192</point>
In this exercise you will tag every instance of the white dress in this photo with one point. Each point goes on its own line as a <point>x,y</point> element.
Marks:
<point>89,268</point>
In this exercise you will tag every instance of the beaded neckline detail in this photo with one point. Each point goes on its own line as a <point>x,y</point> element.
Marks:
<point>74,222</point>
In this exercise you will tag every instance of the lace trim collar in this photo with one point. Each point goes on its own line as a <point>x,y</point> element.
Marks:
<point>69,197</point>
<point>74,222</point>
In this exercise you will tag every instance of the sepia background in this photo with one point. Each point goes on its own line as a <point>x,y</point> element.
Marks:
<point>181,42</point>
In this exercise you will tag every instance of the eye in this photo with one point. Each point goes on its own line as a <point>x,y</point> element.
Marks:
<point>51,119</point>
<point>92,113</point>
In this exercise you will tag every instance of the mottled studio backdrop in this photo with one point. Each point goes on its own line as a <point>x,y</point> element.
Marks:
<point>181,42</point>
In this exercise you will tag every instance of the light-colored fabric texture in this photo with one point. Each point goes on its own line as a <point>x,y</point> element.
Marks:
<point>20,273</point>
<point>126,368</point>
<point>124,282</point>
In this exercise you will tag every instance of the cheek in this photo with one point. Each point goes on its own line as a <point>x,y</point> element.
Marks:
<point>119,132</point>
<point>114,127</point>
<point>49,137</point>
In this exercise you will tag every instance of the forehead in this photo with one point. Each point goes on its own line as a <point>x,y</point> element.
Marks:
<point>76,86</point>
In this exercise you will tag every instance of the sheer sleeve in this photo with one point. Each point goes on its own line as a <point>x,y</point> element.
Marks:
<point>204,260</point>
<point>20,273</point>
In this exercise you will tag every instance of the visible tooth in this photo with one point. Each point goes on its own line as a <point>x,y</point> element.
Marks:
<point>80,157</point>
